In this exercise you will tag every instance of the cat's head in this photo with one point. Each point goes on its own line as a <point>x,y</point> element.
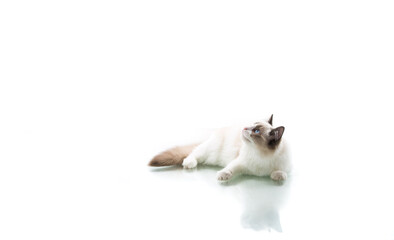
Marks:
<point>263,135</point>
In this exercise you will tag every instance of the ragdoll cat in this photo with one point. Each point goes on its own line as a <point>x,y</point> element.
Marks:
<point>255,150</point>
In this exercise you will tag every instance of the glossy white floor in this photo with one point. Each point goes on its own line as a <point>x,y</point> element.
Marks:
<point>91,91</point>
<point>84,181</point>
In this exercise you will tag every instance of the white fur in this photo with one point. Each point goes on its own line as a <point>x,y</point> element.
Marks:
<point>227,148</point>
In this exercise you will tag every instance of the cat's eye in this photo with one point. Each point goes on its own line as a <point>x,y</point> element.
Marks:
<point>256,131</point>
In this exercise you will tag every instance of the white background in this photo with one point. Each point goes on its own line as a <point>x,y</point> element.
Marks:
<point>91,90</point>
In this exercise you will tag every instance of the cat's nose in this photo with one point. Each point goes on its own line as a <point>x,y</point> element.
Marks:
<point>246,128</point>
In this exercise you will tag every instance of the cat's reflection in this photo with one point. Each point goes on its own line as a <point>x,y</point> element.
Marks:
<point>261,198</point>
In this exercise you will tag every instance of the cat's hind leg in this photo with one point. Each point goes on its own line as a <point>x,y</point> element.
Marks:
<point>196,156</point>
<point>190,162</point>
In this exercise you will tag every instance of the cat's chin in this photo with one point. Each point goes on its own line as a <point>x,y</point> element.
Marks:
<point>246,136</point>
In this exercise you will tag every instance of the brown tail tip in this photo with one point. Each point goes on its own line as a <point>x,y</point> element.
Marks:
<point>173,156</point>
<point>166,158</point>
<point>155,163</point>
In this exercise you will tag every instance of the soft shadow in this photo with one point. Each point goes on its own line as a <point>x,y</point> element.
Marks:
<point>165,169</point>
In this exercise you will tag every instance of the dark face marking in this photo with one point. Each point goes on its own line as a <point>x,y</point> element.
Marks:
<point>259,134</point>
<point>275,136</point>
<point>265,136</point>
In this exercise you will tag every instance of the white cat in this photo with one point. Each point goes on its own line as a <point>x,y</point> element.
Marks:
<point>256,150</point>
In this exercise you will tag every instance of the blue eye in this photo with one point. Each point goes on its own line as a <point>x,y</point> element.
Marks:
<point>256,131</point>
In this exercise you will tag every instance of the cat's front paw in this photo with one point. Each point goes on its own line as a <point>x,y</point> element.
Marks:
<point>224,175</point>
<point>189,162</point>
<point>278,176</point>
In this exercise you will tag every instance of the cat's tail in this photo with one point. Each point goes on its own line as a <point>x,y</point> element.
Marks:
<point>172,156</point>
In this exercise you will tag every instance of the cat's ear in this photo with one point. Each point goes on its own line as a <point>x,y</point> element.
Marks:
<point>276,135</point>
<point>270,119</point>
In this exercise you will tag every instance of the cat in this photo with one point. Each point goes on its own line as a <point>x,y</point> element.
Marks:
<point>258,150</point>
